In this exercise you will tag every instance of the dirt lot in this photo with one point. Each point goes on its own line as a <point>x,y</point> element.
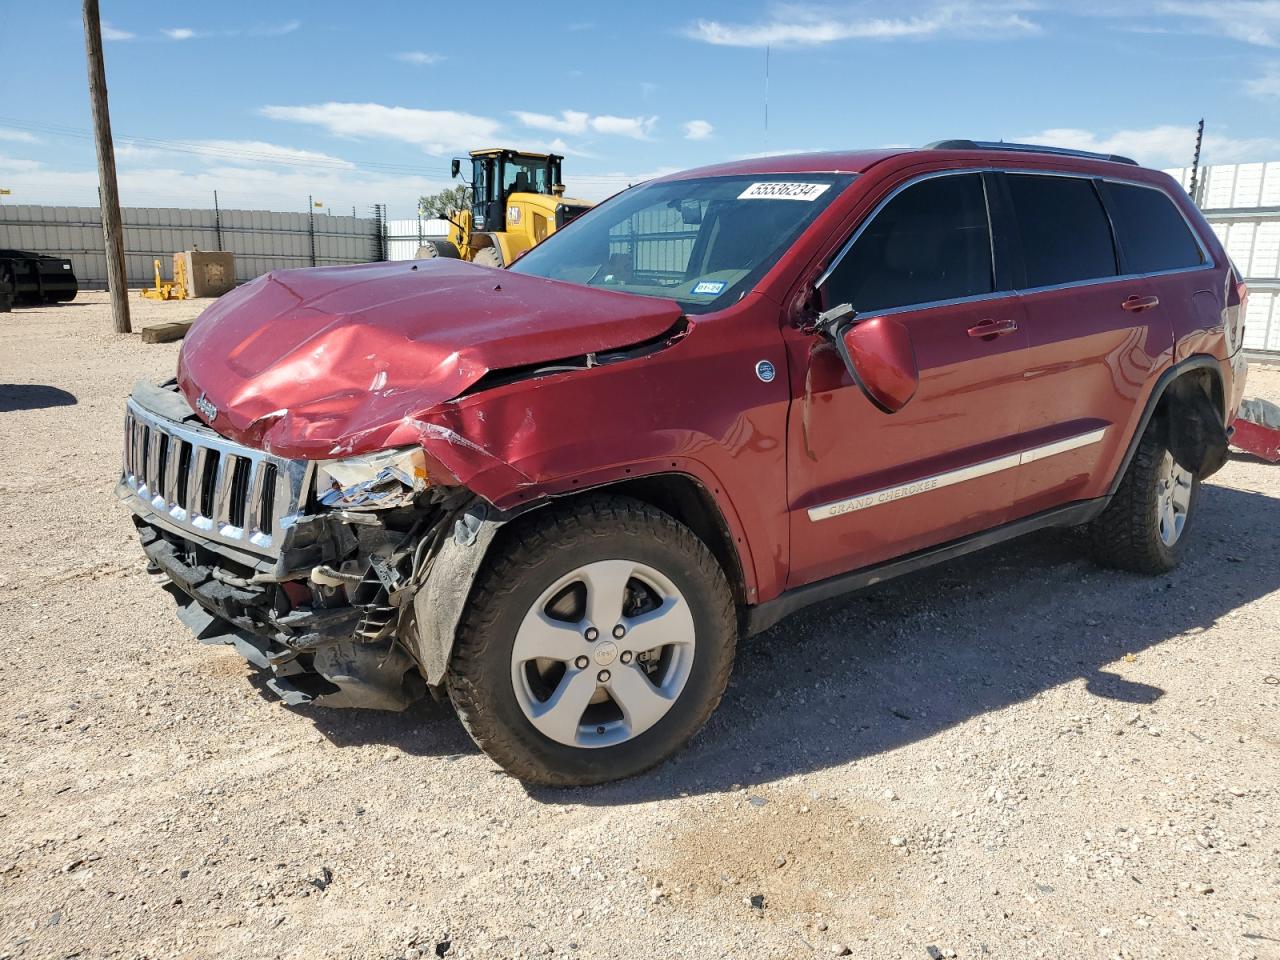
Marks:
<point>1015,755</point>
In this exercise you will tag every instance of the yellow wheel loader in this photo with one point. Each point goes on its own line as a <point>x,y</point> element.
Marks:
<point>517,201</point>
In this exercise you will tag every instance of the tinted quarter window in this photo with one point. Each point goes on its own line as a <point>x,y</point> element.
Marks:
<point>1064,229</point>
<point>1152,233</point>
<point>930,242</point>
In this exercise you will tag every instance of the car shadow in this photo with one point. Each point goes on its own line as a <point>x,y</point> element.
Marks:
<point>910,658</point>
<point>427,728</point>
<point>33,396</point>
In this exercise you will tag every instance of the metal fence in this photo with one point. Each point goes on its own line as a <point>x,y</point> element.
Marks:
<point>1241,201</point>
<point>404,237</point>
<point>261,240</point>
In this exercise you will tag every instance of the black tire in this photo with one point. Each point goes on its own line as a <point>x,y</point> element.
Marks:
<point>1126,535</point>
<point>488,257</point>
<point>531,556</point>
<point>433,249</point>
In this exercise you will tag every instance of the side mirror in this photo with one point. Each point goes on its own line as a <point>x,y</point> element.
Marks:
<point>877,352</point>
<point>456,167</point>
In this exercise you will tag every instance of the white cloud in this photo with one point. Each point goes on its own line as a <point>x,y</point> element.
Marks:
<point>781,152</point>
<point>236,152</point>
<point>179,33</point>
<point>1265,87</point>
<point>420,58</point>
<point>256,151</point>
<point>435,131</point>
<point>1162,146</point>
<point>637,128</point>
<point>251,188</point>
<point>698,130</point>
<point>569,121</point>
<point>598,186</point>
<point>805,25</point>
<point>115,33</point>
<point>277,29</point>
<point>1254,22</point>
<point>577,122</point>
<point>11,165</point>
<point>17,136</point>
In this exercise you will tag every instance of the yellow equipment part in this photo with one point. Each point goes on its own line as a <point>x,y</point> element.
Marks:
<point>517,202</point>
<point>175,289</point>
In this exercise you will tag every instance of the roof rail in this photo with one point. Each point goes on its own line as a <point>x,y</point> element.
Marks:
<point>1025,148</point>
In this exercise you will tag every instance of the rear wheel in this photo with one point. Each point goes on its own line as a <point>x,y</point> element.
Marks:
<point>596,643</point>
<point>431,249</point>
<point>488,257</point>
<point>1145,526</point>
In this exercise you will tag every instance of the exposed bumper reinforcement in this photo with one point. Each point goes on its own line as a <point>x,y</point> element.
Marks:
<point>312,656</point>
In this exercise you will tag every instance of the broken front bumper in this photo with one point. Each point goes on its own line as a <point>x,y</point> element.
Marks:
<point>225,525</point>
<point>312,655</point>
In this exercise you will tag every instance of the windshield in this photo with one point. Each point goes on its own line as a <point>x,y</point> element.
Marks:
<point>700,242</point>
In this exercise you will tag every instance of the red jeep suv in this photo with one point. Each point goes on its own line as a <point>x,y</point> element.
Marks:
<point>559,493</point>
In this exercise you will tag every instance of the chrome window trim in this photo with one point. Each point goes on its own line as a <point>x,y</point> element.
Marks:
<point>901,491</point>
<point>1208,263</point>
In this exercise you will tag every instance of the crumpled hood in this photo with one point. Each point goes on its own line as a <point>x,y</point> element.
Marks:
<point>326,362</point>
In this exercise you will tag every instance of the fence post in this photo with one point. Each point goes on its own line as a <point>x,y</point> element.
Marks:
<point>311,220</point>
<point>217,219</point>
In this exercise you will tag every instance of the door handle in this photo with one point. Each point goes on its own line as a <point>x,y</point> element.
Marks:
<point>993,328</point>
<point>1138,304</point>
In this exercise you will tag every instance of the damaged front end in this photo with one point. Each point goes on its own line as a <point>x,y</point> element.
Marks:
<point>308,568</point>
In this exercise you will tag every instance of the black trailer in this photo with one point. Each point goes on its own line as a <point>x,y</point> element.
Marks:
<point>37,278</point>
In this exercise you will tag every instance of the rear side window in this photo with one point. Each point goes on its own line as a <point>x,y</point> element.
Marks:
<point>931,242</point>
<point>1064,229</point>
<point>1152,233</point>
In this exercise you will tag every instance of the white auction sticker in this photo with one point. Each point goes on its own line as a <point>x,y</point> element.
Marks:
<point>784,191</point>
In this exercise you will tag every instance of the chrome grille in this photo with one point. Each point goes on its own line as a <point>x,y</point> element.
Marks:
<point>193,479</point>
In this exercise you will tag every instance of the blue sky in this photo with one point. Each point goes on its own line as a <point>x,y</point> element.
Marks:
<point>358,104</point>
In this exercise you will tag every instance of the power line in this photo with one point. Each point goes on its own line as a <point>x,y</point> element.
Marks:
<point>205,150</point>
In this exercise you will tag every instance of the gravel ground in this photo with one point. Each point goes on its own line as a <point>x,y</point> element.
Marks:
<point>1014,755</point>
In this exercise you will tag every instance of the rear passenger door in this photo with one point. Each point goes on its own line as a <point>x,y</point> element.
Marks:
<point>1095,333</point>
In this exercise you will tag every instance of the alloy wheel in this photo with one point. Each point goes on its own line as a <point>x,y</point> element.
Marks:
<point>603,654</point>
<point>1173,499</point>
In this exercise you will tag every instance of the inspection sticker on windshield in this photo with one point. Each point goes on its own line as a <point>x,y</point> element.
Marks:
<point>784,191</point>
<point>709,288</point>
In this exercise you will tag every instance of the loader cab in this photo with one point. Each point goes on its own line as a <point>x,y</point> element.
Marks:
<point>496,174</point>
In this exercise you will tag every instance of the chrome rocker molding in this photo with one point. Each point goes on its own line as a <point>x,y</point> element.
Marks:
<point>890,494</point>
<point>763,616</point>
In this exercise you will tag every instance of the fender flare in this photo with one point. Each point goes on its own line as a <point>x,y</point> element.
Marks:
<point>440,602</point>
<point>1162,385</point>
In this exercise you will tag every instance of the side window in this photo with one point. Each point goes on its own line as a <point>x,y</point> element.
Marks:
<point>1064,229</point>
<point>931,242</point>
<point>1152,233</point>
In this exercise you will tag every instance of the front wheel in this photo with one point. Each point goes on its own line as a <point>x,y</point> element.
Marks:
<point>1145,526</point>
<point>595,644</point>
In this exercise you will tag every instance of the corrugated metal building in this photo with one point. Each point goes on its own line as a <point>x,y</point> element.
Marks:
<point>1242,203</point>
<point>261,240</point>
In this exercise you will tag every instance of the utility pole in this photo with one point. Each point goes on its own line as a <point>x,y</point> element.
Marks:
<point>1195,163</point>
<point>112,227</point>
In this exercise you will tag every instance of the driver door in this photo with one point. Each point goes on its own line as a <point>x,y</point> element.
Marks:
<point>866,486</point>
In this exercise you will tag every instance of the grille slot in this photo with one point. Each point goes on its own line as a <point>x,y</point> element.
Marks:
<point>200,482</point>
